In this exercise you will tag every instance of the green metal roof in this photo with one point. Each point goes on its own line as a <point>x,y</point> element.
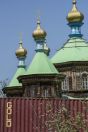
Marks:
<point>75,49</point>
<point>14,81</point>
<point>41,65</point>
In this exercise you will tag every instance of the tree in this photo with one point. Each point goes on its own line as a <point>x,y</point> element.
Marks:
<point>2,85</point>
<point>60,120</point>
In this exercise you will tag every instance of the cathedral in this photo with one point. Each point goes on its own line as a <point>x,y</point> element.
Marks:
<point>65,75</point>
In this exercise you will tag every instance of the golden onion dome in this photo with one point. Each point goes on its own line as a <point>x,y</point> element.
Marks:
<point>21,52</point>
<point>39,32</point>
<point>75,15</point>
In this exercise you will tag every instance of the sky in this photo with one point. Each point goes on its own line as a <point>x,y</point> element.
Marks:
<point>19,16</point>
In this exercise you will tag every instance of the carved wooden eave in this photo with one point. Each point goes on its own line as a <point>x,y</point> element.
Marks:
<point>48,78</point>
<point>13,91</point>
<point>75,91</point>
<point>70,66</point>
<point>76,94</point>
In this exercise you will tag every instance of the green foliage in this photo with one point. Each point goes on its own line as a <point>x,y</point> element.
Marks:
<point>61,120</point>
<point>3,84</point>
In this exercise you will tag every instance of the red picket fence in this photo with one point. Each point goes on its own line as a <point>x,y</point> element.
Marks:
<point>29,115</point>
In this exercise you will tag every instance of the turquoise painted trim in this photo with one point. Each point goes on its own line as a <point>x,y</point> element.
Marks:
<point>21,61</point>
<point>75,29</point>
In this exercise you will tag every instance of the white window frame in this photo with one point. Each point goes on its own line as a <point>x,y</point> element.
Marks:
<point>65,84</point>
<point>85,81</point>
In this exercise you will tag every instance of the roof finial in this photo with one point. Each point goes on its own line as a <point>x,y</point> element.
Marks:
<point>38,19</point>
<point>20,38</point>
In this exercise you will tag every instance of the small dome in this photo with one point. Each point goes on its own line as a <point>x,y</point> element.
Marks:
<point>75,15</point>
<point>39,32</point>
<point>21,52</point>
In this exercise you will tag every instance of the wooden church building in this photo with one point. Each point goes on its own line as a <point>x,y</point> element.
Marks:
<point>65,75</point>
<point>60,82</point>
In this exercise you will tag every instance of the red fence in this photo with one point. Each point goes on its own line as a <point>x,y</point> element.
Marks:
<point>29,115</point>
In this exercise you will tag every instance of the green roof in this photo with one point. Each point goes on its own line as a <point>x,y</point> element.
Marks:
<point>14,81</point>
<point>41,65</point>
<point>75,49</point>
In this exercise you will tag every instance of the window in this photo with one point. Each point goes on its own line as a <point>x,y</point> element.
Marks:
<point>32,91</point>
<point>65,84</point>
<point>78,82</point>
<point>46,92</point>
<point>85,81</point>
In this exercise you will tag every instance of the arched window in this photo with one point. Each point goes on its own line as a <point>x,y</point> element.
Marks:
<point>65,84</point>
<point>85,81</point>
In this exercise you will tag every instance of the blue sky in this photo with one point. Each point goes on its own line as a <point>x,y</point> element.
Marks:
<point>20,16</point>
